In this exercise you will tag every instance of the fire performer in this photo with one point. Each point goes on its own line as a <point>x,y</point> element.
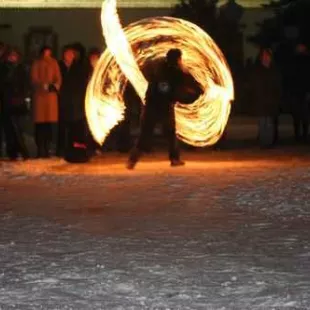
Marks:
<point>171,84</point>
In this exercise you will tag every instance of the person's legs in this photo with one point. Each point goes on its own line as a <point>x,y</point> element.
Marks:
<point>61,138</point>
<point>20,141</point>
<point>47,133</point>
<point>296,119</point>
<point>39,139</point>
<point>45,153</point>
<point>148,123</point>
<point>69,136</point>
<point>10,137</point>
<point>297,114</point>
<point>170,133</point>
<point>123,137</point>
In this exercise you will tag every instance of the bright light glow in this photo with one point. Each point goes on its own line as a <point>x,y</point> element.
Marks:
<point>201,123</point>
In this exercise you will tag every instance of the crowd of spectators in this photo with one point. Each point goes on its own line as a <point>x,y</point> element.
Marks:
<point>52,91</point>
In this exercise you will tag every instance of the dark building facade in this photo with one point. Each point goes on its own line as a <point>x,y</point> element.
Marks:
<point>28,24</point>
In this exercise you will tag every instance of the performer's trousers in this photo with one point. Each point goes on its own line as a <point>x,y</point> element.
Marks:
<point>149,120</point>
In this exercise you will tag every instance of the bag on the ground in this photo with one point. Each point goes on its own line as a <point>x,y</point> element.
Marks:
<point>77,152</point>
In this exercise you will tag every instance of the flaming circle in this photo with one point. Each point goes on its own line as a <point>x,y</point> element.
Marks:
<point>131,49</point>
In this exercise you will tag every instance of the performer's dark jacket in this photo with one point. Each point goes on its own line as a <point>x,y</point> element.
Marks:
<point>170,85</point>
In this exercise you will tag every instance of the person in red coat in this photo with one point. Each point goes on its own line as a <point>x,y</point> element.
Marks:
<point>46,81</point>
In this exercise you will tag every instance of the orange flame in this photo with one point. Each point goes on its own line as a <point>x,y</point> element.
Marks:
<point>201,123</point>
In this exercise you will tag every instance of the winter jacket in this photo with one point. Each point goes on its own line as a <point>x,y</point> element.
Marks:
<point>45,101</point>
<point>72,91</point>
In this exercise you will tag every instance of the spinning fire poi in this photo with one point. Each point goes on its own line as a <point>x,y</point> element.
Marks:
<point>129,50</point>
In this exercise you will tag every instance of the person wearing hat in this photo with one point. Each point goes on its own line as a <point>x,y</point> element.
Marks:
<point>72,146</point>
<point>299,92</point>
<point>166,87</point>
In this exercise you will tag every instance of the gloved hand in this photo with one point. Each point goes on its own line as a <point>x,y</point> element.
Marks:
<point>52,88</point>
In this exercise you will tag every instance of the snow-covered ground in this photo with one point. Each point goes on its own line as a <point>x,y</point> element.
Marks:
<point>228,231</point>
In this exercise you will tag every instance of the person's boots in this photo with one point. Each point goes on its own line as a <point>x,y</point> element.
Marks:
<point>177,163</point>
<point>133,158</point>
<point>39,141</point>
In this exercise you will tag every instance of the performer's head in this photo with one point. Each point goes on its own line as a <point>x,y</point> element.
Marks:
<point>174,57</point>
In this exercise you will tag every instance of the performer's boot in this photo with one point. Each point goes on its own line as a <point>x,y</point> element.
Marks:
<point>133,158</point>
<point>177,163</point>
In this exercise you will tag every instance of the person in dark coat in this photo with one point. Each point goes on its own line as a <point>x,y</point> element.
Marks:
<point>299,88</point>
<point>14,105</point>
<point>165,88</point>
<point>265,96</point>
<point>72,111</point>
<point>66,65</point>
<point>3,48</point>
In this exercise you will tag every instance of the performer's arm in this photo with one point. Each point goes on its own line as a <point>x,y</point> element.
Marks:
<point>190,91</point>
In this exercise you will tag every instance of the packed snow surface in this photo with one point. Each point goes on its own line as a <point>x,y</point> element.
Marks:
<point>223,232</point>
